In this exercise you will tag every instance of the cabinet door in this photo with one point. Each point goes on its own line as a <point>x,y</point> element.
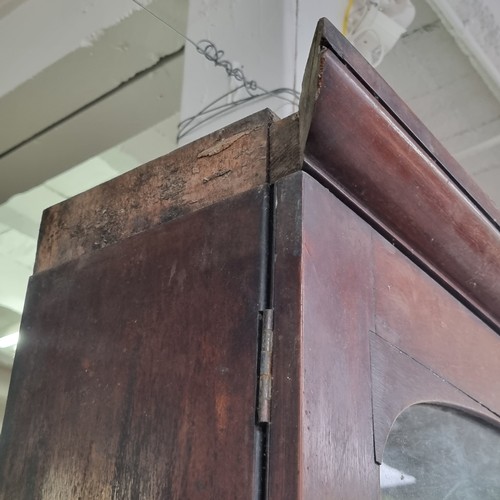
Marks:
<point>435,375</point>
<point>135,376</point>
<point>361,334</point>
<point>321,443</point>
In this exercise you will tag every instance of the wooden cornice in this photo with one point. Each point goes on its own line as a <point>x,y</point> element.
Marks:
<point>360,139</point>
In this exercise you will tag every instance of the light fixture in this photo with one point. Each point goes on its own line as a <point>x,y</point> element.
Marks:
<point>9,340</point>
<point>374,26</point>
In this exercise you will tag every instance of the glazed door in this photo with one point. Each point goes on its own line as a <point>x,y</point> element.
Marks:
<point>361,334</point>
<point>429,350</point>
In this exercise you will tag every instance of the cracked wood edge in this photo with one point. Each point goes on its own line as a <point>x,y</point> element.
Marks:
<point>211,169</point>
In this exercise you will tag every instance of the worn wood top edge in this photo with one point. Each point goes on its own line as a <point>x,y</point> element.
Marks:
<point>380,169</point>
<point>222,164</point>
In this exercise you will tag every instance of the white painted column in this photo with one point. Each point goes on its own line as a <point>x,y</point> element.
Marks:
<point>309,13</point>
<point>268,40</point>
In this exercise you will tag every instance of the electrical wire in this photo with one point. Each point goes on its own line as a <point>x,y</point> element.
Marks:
<point>254,91</point>
<point>345,23</point>
<point>214,111</point>
<point>139,4</point>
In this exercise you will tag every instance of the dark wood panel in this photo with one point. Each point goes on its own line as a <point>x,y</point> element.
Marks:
<point>321,434</point>
<point>285,152</point>
<point>328,36</point>
<point>416,315</point>
<point>213,168</point>
<point>285,450</point>
<point>337,315</point>
<point>398,381</point>
<point>359,148</point>
<point>135,376</point>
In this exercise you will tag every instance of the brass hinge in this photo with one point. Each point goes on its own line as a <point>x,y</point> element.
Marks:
<point>265,377</point>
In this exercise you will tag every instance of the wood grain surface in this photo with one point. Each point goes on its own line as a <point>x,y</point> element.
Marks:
<point>417,316</point>
<point>285,451</point>
<point>213,168</point>
<point>135,376</point>
<point>321,441</point>
<point>337,314</point>
<point>285,153</point>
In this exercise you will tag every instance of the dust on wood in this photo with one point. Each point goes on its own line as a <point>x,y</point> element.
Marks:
<point>155,193</point>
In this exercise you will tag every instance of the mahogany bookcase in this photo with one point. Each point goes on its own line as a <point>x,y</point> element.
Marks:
<point>246,317</point>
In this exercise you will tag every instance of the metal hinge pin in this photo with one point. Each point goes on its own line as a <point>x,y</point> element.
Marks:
<point>265,377</point>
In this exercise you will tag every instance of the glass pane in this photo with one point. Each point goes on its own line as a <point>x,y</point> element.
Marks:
<point>437,453</point>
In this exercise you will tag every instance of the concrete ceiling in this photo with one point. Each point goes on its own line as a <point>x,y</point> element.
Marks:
<point>95,90</point>
<point>439,81</point>
<point>77,68</point>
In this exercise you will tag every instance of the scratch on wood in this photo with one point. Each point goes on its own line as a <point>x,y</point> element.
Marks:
<point>220,173</point>
<point>222,145</point>
<point>181,182</point>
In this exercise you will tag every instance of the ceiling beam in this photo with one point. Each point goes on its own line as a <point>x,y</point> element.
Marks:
<point>140,103</point>
<point>475,25</point>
